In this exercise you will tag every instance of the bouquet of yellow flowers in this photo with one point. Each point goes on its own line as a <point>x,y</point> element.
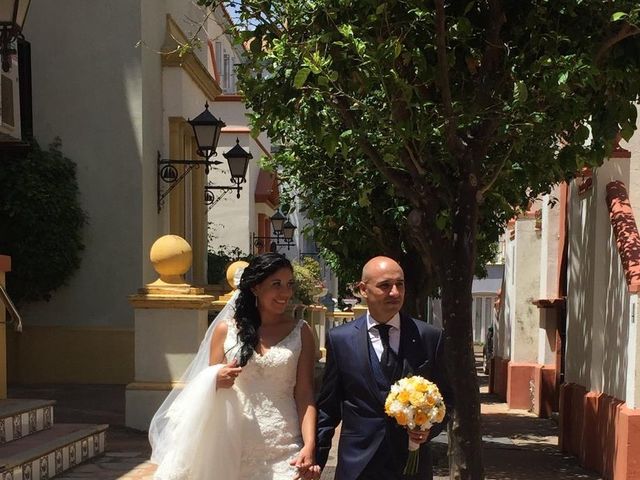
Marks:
<point>416,403</point>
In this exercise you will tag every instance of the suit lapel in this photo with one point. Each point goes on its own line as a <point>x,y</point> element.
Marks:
<point>363,356</point>
<point>409,345</point>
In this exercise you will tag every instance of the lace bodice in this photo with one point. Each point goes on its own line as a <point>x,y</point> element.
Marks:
<point>271,429</point>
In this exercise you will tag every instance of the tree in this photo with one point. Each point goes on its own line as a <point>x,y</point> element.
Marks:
<point>465,108</point>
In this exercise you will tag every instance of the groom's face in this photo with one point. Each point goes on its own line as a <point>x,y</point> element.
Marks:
<point>383,287</point>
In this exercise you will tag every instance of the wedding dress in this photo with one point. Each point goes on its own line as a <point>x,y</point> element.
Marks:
<point>249,431</point>
<point>270,427</point>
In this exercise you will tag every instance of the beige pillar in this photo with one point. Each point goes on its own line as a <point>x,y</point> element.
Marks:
<point>170,323</point>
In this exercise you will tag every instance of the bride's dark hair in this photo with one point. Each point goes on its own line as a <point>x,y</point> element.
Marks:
<point>247,315</point>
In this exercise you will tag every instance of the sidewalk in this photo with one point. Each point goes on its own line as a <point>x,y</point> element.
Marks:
<point>517,445</point>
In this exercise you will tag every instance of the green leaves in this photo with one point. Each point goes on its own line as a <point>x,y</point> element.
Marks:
<point>520,93</point>
<point>350,82</point>
<point>41,221</point>
<point>301,77</point>
<point>617,16</point>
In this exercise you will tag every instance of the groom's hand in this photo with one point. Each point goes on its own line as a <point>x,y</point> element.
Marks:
<point>306,469</point>
<point>418,436</point>
<point>227,374</point>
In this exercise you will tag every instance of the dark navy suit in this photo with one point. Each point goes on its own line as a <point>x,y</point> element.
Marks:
<point>372,446</point>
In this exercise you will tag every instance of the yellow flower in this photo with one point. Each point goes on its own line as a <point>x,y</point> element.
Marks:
<point>416,398</point>
<point>422,387</point>
<point>401,418</point>
<point>440,415</point>
<point>421,418</point>
<point>403,396</point>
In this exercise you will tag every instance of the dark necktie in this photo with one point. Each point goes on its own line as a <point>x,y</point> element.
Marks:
<point>388,360</point>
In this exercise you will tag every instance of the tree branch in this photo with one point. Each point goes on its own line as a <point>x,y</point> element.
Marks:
<point>395,177</point>
<point>454,143</point>
<point>485,188</point>
<point>627,30</point>
<point>492,77</point>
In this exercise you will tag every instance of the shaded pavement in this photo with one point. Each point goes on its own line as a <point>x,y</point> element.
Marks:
<point>516,444</point>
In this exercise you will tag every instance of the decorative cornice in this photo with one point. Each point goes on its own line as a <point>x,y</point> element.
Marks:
<point>182,302</point>
<point>154,386</point>
<point>230,98</point>
<point>267,189</point>
<point>625,232</point>
<point>549,302</point>
<point>235,129</point>
<point>188,61</point>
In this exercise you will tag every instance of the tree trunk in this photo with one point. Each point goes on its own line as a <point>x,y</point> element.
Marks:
<point>456,273</point>
<point>465,444</point>
<point>416,293</point>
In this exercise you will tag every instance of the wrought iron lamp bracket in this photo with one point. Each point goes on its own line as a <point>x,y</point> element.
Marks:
<point>258,241</point>
<point>168,173</point>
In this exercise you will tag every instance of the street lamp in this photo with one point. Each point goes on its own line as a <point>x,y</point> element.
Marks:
<point>238,159</point>
<point>206,129</point>
<point>282,227</point>
<point>12,16</point>
<point>277,223</point>
<point>287,231</point>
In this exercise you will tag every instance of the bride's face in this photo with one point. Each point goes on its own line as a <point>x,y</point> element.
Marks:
<point>275,291</point>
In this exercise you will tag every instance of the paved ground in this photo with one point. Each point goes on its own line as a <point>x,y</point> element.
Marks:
<point>517,445</point>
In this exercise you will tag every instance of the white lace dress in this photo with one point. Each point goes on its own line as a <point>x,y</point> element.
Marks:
<point>270,427</point>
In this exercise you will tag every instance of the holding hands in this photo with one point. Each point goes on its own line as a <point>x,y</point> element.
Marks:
<point>305,464</point>
<point>227,374</point>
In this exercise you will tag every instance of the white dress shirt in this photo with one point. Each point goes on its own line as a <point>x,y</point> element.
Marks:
<point>374,334</point>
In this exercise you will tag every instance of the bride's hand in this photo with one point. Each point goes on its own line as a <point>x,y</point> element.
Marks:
<point>227,374</point>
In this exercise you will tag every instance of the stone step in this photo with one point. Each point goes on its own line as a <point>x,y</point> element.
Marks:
<point>21,417</point>
<point>51,452</point>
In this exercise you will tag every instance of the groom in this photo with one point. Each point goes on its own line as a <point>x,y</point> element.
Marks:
<point>364,358</point>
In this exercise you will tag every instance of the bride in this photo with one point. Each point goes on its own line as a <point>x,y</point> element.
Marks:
<point>246,410</point>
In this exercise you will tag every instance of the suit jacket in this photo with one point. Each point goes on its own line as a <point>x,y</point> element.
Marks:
<point>354,390</point>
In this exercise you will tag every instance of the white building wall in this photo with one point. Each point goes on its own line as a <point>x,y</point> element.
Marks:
<point>502,333</point>
<point>549,273</point>
<point>153,28</point>
<point>598,303</point>
<point>525,289</point>
<point>105,95</point>
<point>87,90</point>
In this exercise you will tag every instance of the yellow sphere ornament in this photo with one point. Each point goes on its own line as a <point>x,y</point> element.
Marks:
<point>171,256</point>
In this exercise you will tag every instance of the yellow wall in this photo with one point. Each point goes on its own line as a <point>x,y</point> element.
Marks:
<point>60,354</point>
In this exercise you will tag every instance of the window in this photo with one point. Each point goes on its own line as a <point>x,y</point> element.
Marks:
<point>226,73</point>
<point>219,58</point>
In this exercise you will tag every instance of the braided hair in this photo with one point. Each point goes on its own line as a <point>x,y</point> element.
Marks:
<point>247,316</point>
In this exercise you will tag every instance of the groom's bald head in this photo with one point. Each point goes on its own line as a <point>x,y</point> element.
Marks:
<point>382,285</point>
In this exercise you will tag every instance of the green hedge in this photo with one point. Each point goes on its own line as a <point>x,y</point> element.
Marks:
<point>41,221</point>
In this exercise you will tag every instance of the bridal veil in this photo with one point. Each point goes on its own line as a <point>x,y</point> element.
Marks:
<point>195,434</point>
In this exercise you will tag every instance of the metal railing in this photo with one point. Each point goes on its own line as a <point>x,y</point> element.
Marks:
<point>11,308</point>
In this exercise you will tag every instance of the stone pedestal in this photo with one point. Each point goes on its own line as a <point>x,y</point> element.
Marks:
<point>170,323</point>
<point>168,332</point>
<point>171,319</point>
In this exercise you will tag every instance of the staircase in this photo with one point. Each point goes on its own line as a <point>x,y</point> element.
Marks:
<point>33,448</point>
